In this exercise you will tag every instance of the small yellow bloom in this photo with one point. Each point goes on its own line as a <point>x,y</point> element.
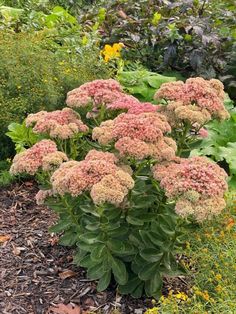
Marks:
<point>205,295</point>
<point>152,311</point>
<point>181,296</point>
<point>218,277</point>
<point>219,289</point>
<point>112,52</point>
<point>187,245</point>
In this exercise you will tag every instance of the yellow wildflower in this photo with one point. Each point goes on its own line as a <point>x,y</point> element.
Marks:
<point>187,245</point>
<point>205,295</point>
<point>181,296</point>
<point>112,52</point>
<point>218,277</point>
<point>219,289</point>
<point>154,310</point>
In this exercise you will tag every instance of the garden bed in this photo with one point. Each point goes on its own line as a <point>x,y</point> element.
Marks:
<point>33,264</point>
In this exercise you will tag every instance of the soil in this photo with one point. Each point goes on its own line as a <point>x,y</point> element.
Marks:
<point>36,272</point>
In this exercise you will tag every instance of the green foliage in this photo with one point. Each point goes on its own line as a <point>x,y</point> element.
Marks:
<point>212,250</point>
<point>34,78</point>
<point>142,84</point>
<point>220,145</point>
<point>5,177</point>
<point>193,37</point>
<point>21,136</point>
<point>135,246</point>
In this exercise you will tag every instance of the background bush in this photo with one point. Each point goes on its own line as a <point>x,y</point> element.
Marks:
<point>34,78</point>
<point>194,37</point>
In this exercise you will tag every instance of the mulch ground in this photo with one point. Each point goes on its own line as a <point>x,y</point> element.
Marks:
<point>36,272</point>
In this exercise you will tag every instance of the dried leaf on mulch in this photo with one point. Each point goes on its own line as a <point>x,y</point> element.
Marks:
<point>64,309</point>
<point>4,238</point>
<point>67,274</point>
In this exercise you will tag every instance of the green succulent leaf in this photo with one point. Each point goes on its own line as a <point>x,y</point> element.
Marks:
<point>119,270</point>
<point>104,281</point>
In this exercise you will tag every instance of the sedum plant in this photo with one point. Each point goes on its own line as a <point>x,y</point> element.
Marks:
<point>122,196</point>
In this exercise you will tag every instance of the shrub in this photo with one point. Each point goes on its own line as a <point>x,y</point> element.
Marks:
<point>220,145</point>
<point>33,78</point>
<point>118,203</point>
<point>193,37</point>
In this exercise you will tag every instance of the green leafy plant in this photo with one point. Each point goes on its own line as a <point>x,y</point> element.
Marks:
<point>192,37</point>
<point>142,84</point>
<point>21,136</point>
<point>5,177</point>
<point>220,145</point>
<point>135,246</point>
<point>35,78</point>
<point>122,205</point>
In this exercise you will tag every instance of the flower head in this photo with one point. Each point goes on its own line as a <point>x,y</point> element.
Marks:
<point>112,188</point>
<point>30,160</point>
<point>42,195</point>
<point>112,52</point>
<point>62,124</point>
<point>196,183</point>
<point>96,92</point>
<point>53,160</point>
<point>138,135</point>
<point>197,100</point>
<point>97,173</point>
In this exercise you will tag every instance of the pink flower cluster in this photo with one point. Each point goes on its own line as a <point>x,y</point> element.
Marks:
<point>198,100</point>
<point>30,160</point>
<point>138,135</point>
<point>97,173</point>
<point>197,184</point>
<point>62,124</point>
<point>96,92</point>
<point>42,195</point>
<point>52,160</point>
<point>108,93</point>
<point>132,105</point>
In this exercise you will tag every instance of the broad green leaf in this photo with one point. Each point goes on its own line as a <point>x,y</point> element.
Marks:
<point>138,291</point>
<point>79,255</point>
<point>61,225</point>
<point>88,262</point>
<point>134,220</point>
<point>154,285</point>
<point>96,271</point>
<point>151,254</point>
<point>104,281</point>
<point>97,252</point>
<point>132,285</point>
<point>119,270</point>
<point>148,271</point>
<point>90,237</point>
<point>69,238</point>
<point>229,154</point>
<point>145,238</point>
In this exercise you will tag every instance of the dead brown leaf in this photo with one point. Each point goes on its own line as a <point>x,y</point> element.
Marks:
<point>67,274</point>
<point>54,240</point>
<point>64,309</point>
<point>4,238</point>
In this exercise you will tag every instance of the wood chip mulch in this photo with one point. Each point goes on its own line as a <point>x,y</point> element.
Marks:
<point>37,273</point>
